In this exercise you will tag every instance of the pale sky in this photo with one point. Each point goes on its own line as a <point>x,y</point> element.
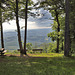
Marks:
<point>12,25</point>
<point>37,0</point>
<point>34,1</point>
<point>31,25</point>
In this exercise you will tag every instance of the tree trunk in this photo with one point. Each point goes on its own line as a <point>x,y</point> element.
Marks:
<point>58,29</point>
<point>62,45</point>
<point>2,40</point>
<point>67,31</point>
<point>25,27</point>
<point>18,29</point>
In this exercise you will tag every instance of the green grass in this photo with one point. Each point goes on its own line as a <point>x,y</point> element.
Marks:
<point>37,64</point>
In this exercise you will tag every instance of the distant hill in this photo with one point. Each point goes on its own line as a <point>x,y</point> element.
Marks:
<point>33,36</point>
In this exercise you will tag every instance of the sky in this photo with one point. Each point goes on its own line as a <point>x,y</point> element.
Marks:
<point>34,1</point>
<point>39,22</point>
<point>37,0</point>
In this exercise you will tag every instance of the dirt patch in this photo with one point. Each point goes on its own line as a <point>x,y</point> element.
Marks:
<point>12,55</point>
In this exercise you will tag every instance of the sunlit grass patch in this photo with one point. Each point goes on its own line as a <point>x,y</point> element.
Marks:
<point>11,52</point>
<point>46,55</point>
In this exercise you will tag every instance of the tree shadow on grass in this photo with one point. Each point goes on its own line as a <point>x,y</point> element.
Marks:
<point>50,66</point>
<point>12,56</point>
<point>28,65</point>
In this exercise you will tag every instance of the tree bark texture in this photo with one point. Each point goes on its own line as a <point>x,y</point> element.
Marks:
<point>2,40</point>
<point>25,38</point>
<point>67,31</point>
<point>18,29</point>
<point>58,29</point>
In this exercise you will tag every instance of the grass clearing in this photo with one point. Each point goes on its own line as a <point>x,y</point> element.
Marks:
<point>37,64</point>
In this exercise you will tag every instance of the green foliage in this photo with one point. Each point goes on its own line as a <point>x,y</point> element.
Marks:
<point>72,25</point>
<point>7,51</point>
<point>15,52</point>
<point>11,52</point>
<point>29,46</point>
<point>22,4</point>
<point>9,9</point>
<point>52,47</point>
<point>55,33</point>
<point>52,35</point>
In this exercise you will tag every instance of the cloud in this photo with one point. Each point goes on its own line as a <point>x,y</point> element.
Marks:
<point>42,20</point>
<point>33,23</point>
<point>38,0</point>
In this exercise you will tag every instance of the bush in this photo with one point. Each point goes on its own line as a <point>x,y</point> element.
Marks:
<point>52,47</point>
<point>29,46</point>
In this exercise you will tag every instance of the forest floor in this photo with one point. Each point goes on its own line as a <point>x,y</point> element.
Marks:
<point>37,64</point>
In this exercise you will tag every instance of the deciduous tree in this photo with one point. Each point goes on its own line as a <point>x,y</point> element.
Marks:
<point>67,30</point>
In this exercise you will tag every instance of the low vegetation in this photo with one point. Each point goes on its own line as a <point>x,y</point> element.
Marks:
<point>37,64</point>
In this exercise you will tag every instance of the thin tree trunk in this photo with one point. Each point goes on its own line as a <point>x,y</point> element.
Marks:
<point>67,31</point>
<point>25,27</point>
<point>2,40</point>
<point>62,44</point>
<point>58,29</point>
<point>18,29</point>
